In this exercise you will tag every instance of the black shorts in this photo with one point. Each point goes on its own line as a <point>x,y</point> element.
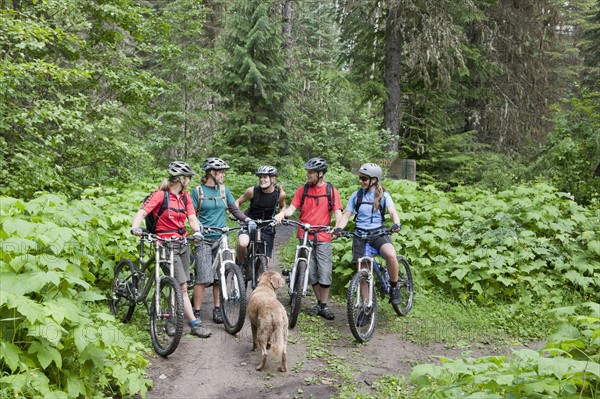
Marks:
<point>358,245</point>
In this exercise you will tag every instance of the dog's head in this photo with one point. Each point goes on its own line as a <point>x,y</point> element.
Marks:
<point>271,279</point>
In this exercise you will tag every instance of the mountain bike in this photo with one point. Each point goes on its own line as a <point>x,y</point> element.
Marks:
<point>131,285</point>
<point>255,263</point>
<point>362,299</point>
<point>231,280</point>
<point>299,274</point>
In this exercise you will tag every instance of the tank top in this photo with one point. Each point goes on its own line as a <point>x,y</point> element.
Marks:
<point>262,205</point>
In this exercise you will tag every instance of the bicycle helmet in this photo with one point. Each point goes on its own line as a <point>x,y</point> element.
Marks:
<point>214,164</point>
<point>317,164</point>
<point>371,170</point>
<point>178,168</point>
<point>267,170</point>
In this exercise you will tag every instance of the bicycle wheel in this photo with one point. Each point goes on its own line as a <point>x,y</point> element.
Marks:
<point>362,318</point>
<point>405,283</point>
<point>234,307</point>
<point>296,295</point>
<point>166,322</point>
<point>124,288</point>
<point>260,267</point>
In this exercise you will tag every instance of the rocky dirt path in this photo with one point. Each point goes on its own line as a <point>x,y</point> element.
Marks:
<point>223,366</point>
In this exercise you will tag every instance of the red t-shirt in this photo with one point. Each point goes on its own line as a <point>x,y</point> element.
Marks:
<point>315,211</point>
<point>170,219</point>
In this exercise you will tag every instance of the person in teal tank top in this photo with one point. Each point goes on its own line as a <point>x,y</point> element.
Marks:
<point>211,200</point>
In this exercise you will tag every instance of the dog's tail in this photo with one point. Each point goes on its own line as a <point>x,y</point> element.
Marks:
<point>279,336</point>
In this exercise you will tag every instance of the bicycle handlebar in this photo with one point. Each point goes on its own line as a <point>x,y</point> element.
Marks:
<point>262,223</point>
<point>365,235</point>
<point>217,229</point>
<point>167,240</point>
<point>306,226</point>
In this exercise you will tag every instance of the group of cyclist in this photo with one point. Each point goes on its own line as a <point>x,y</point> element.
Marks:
<point>317,200</point>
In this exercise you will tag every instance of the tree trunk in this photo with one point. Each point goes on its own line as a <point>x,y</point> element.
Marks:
<point>287,34</point>
<point>393,58</point>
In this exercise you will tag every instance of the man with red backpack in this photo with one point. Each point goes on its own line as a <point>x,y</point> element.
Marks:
<point>317,199</point>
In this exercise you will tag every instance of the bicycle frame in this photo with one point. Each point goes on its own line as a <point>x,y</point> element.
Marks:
<point>225,255</point>
<point>257,247</point>
<point>159,258</point>
<point>369,259</point>
<point>301,249</point>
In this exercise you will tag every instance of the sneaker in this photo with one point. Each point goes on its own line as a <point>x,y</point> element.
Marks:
<point>395,296</point>
<point>326,313</point>
<point>217,316</point>
<point>363,319</point>
<point>197,314</point>
<point>200,331</point>
<point>315,311</point>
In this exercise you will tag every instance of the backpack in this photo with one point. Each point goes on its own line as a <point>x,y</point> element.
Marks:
<point>256,196</point>
<point>151,220</point>
<point>328,194</point>
<point>201,198</point>
<point>359,202</point>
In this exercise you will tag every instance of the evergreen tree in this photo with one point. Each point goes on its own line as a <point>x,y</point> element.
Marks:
<point>253,84</point>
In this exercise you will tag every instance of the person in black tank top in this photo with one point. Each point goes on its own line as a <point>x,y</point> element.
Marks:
<point>266,199</point>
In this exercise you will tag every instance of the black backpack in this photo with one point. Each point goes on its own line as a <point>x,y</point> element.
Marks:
<point>328,194</point>
<point>359,202</point>
<point>151,220</point>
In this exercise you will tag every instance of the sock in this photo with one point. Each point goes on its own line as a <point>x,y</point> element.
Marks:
<point>322,305</point>
<point>394,284</point>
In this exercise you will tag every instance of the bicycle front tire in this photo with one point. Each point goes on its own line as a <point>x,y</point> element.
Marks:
<point>407,290</point>
<point>296,295</point>
<point>234,307</point>
<point>124,287</point>
<point>166,328</point>
<point>260,267</point>
<point>362,319</point>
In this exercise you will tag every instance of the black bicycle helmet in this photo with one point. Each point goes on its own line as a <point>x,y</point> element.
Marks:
<point>317,164</point>
<point>267,170</point>
<point>178,168</point>
<point>371,170</point>
<point>214,164</point>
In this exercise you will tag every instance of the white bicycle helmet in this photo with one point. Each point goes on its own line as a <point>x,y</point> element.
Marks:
<point>317,164</point>
<point>371,170</point>
<point>178,168</point>
<point>267,170</point>
<point>214,164</point>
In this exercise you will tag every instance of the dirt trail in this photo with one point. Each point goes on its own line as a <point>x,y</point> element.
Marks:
<point>223,366</point>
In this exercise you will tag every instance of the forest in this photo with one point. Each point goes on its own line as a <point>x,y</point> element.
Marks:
<point>497,101</point>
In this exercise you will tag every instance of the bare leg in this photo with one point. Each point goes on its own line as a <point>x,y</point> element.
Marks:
<point>198,295</point>
<point>388,252</point>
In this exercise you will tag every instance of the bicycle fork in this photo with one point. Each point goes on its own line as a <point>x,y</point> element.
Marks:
<point>293,275</point>
<point>225,255</point>
<point>368,301</point>
<point>157,277</point>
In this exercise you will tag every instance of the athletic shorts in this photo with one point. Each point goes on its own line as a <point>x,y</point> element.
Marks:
<point>358,245</point>
<point>205,255</point>
<point>321,264</point>
<point>181,263</point>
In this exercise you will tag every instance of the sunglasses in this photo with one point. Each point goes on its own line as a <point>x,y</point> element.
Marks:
<point>364,178</point>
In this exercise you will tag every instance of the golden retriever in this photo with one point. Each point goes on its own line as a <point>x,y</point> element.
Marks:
<point>268,318</point>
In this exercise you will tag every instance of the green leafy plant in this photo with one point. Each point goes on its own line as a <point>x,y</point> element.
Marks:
<point>58,338</point>
<point>568,367</point>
